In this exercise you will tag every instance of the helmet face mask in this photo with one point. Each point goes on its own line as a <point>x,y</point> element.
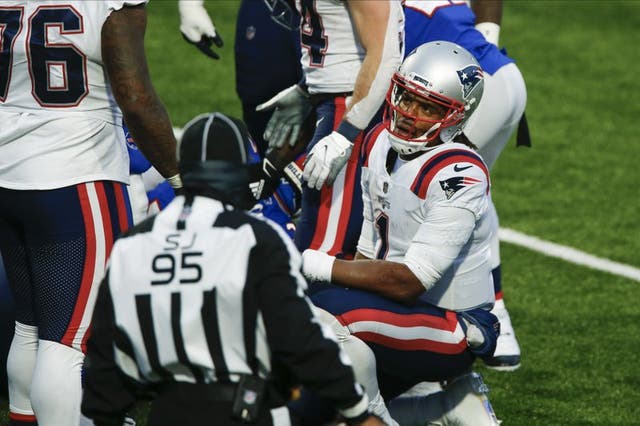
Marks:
<point>418,115</point>
<point>283,13</point>
<point>431,96</point>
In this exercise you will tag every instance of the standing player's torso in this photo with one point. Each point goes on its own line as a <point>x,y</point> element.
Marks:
<point>52,57</point>
<point>331,53</point>
<point>60,121</point>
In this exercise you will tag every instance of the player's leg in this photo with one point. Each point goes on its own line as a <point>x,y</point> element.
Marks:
<point>331,218</point>
<point>412,343</point>
<point>490,128</point>
<point>7,325</point>
<point>363,362</point>
<point>507,354</point>
<point>24,345</point>
<point>69,239</point>
<point>463,400</point>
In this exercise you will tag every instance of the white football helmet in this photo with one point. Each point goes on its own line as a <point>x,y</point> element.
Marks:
<point>440,72</point>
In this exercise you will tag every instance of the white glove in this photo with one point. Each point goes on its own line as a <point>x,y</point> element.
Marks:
<point>291,108</point>
<point>326,159</point>
<point>197,28</point>
<point>317,265</point>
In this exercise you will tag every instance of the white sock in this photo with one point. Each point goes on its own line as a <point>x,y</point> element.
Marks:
<point>56,390</point>
<point>21,362</point>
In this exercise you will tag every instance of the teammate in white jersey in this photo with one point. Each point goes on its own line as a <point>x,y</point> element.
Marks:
<point>420,289</point>
<point>66,66</point>
<point>350,50</point>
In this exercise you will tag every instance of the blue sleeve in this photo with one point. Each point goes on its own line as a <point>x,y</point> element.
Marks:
<point>138,163</point>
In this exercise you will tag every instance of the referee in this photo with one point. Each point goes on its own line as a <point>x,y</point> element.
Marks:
<point>203,307</point>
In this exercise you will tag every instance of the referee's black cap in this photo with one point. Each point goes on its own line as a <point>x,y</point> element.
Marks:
<point>213,158</point>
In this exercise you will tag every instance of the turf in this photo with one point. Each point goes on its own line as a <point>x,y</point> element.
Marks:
<point>577,186</point>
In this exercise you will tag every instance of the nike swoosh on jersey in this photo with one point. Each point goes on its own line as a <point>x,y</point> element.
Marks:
<point>459,169</point>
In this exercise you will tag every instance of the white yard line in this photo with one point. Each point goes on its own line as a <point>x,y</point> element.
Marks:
<point>569,254</point>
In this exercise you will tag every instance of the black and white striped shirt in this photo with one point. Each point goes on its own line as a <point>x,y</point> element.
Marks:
<point>202,293</point>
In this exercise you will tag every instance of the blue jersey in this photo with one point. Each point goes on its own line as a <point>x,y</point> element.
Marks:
<point>267,55</point>
<point>451,21</point>
<point>138,163</point>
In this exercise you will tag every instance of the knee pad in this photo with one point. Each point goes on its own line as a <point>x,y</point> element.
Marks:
<point>56,389</point>
<point>21,362</point>
<point>328,320</point>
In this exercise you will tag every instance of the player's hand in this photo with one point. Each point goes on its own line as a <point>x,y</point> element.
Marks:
<point>197,28</point>
<point>317,265</point>
<point>291,106</point>
<point>326,159</point>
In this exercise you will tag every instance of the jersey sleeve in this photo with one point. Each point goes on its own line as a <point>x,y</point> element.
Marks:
<point>438,243</point>
<point>463,183</point>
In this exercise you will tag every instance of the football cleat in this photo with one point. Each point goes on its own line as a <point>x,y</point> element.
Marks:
<point>466,402</point>
<point>507,354</point>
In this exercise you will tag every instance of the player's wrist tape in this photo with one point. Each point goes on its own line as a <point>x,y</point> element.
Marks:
<point>490,31</point>
<point>175,181</point>
<point>348,130</point>
<point>317,265</point>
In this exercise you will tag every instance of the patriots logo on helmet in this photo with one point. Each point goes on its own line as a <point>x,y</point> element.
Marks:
<point>469,78</point>
<point>452,185</point>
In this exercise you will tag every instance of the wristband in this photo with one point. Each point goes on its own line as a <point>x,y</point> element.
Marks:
<point>490,31</point>
<point>175,181</point>
<point>348,130</point>
<point>317,265</point>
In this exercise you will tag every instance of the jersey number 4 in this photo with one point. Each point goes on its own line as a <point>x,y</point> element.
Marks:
<point>58,71</point>
<point>312,33</point>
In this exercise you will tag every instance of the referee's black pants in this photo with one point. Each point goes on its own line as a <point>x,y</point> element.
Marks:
<point>186,404</point>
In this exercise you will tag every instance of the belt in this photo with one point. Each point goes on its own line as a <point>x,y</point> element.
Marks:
<point>219,392</point>
<point>319,98</point>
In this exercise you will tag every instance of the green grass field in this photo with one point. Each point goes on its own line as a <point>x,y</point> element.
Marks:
<point>579,329</point>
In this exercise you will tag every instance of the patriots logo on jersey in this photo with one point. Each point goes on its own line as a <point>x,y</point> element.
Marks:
<point>452,185</point>
<point>469,78</point>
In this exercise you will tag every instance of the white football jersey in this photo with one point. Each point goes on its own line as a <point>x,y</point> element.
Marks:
<point>397,204</point>
<point>331,51</point>
<point>60,123</point>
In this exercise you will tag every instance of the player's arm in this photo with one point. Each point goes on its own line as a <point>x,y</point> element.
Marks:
<point>488,18</point>
<point>432,251</point>
<point>376,23</point>
<point>126,65</point>
<point>377,29</point>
